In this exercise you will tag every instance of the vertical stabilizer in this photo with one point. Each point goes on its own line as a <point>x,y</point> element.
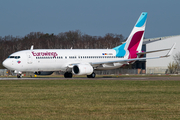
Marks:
<point>134,42</point>
<point>135,39</point>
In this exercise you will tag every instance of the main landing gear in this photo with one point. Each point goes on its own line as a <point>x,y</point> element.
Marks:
<point>93,75</point>
<point>68,75</point>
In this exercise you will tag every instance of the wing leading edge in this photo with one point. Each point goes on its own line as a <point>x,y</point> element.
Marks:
<point>135,59</point>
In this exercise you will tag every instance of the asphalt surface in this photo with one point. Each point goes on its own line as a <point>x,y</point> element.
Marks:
<point>97,78</point>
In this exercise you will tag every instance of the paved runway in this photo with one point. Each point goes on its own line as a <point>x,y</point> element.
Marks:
<point>97,78</point>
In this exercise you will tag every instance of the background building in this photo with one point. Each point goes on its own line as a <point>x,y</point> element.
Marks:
<point>160,65</point>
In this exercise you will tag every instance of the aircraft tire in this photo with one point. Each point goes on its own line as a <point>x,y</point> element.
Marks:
<point>67,75</point>
<point>19,76</point>
<point>93,75</point>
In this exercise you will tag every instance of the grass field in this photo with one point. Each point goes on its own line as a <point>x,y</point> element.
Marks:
<point>89,99</point>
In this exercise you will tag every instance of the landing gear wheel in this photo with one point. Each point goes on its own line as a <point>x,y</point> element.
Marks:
<point>19,76</point>
<point>93,75</point>
<point>67,75</point>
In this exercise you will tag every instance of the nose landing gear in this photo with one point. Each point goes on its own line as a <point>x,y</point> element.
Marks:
<point>19,75</point>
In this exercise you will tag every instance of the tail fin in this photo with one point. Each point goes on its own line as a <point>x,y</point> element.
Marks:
<point>134,42</point>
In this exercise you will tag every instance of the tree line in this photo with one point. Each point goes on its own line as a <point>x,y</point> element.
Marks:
<point>65,40</point>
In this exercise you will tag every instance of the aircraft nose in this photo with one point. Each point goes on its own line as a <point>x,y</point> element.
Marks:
<point>5,63</point>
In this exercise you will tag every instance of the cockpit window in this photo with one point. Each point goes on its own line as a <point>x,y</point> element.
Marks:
<point>11,57</point>
<point>16,57</point>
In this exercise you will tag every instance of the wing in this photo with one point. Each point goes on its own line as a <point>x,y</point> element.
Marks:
<point>125,61</point>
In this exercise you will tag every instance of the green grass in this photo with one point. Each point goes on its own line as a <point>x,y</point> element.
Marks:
<point>98,76</point>
<point>89,99</point>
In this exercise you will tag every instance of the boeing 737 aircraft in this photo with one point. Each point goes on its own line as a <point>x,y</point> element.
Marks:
<point>81,61</point>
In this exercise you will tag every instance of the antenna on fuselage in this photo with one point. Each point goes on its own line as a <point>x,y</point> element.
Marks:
<point>32,47</point>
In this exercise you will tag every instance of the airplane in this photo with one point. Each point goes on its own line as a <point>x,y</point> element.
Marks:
<point>82,61</point>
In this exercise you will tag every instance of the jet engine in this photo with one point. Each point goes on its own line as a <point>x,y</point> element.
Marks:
<point>82,69</point>
<point>43,72</point>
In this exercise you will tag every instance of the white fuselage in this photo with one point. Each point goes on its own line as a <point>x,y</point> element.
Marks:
<point>59,60</point>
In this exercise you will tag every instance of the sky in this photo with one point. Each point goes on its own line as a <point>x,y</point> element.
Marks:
<point>92,17</point>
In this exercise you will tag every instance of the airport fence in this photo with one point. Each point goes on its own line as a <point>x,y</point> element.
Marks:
<point>114,72</point>
<point>5,72</point>
<point>157,71</point>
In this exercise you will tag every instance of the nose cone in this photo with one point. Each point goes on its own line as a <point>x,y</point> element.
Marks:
<point>5,63</point>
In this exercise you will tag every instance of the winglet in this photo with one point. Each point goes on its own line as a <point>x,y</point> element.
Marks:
<point>170,51</point>
<point>31,47</point>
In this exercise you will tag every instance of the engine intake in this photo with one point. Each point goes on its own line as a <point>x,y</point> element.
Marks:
<point>82,69</point>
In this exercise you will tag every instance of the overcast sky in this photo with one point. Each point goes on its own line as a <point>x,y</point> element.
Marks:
<point>93,17</point>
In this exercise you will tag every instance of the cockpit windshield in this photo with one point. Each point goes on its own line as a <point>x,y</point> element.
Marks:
<point>16,57</point>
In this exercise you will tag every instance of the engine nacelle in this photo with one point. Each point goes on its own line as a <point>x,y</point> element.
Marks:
<point>82,69</point>
<point>43,72</point>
